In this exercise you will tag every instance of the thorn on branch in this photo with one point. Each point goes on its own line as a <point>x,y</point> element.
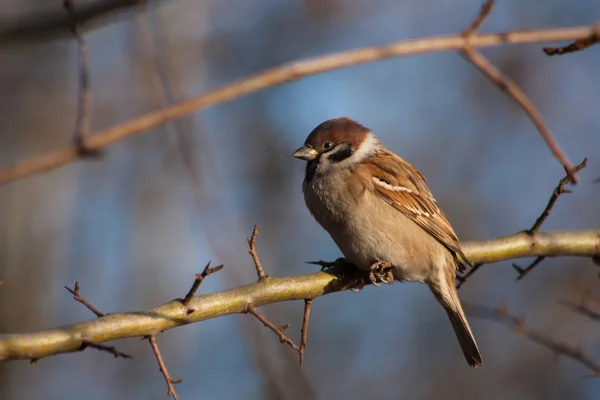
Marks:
<point>197,282</point>
<point>517,325</point>
<point>325,265</point>
<point>252,243</point>
<point>304,330</point>
<point>522,272</point>
<point>109,349</point>
<point>163,368</point>
<point>79,298</point>
<point>560,189</point>
<point>278,330</point>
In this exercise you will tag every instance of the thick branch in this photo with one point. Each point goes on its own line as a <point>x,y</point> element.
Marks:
<point>280,75</point>
<point>273,290</point>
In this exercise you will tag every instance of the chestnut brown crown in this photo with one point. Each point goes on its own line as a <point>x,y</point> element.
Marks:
<point>336,131</point>
<point>331,133</point>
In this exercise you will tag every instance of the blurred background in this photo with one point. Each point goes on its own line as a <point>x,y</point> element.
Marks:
<point>135,226</point>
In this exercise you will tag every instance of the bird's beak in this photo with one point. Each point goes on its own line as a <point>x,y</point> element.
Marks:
<point>305,153</point>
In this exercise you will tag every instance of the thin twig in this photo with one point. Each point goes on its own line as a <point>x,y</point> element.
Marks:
<point>517,325</point>
<point>278,76</point>
<point>197,282</point>
<point>252,244</point>
<point>560,189</point>
<point>507,85</point>
<point>462,279</point>
<point>510,87</point>
<point>163,368</point>
<point>486,9</point>
<point>83,124</point>
<point>522,272</point>
<point>278,330</point>
<point>304,331</point>
<point>79,298</point>
<point>582,309</point>
<point>577,45</point>
<point>102,347</point>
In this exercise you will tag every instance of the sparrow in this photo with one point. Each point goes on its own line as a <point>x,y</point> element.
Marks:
<point>378,210</point>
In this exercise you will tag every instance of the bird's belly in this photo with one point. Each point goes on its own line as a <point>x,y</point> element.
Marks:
<point>380,232</point>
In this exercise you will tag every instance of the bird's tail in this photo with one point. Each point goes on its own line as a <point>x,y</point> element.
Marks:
<point>448,297</point>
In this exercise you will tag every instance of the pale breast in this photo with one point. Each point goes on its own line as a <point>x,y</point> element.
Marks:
<point>366,229</point>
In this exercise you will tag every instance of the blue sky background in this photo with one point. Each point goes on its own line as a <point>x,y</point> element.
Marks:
<point>134,227</point>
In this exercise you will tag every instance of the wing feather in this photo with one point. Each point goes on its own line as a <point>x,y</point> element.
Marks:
<point>404,188</point>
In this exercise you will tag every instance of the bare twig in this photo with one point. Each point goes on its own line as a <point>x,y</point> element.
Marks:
<point>197,282</point>
<point>304,331</point>
<point>79,298</point>
<point>463,279</point>
<point>560,189</point>
<point>278,330</point>
<point>582,309</point>
<point>486,9</point>
<point>252,243</point>
<point>508,86</point>
<point>517,325</point>
<point>83,124</point>
<point>109,349</point>
<point>163,368</point>
<point>577,45</point>
<point>511,88</point>
<point>182,131</point>
<point>280,75</point>
<point>522,272</point>
<point>143,323</point>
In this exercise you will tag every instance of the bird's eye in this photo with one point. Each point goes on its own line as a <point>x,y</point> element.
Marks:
<point>327,145</point>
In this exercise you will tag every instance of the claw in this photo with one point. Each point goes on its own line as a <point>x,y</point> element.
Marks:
<point>360,284</point>
<point>381,271</point>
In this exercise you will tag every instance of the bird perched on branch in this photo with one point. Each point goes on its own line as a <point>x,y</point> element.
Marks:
<point>380,213</point>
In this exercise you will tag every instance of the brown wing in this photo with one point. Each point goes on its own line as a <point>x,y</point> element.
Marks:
<point>403,187</point>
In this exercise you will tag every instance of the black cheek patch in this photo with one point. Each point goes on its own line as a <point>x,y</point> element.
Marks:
<point>311,169</point>
<point>341,154</point>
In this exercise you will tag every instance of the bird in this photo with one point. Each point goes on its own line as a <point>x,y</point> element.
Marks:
<point>378,210</point>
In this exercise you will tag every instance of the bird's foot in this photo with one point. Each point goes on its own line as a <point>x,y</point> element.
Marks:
<point>381,271</point>
<point>340,262</point>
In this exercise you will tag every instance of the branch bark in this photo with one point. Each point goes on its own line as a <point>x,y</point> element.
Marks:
<point>267,291</point>
<point>280,75</point>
